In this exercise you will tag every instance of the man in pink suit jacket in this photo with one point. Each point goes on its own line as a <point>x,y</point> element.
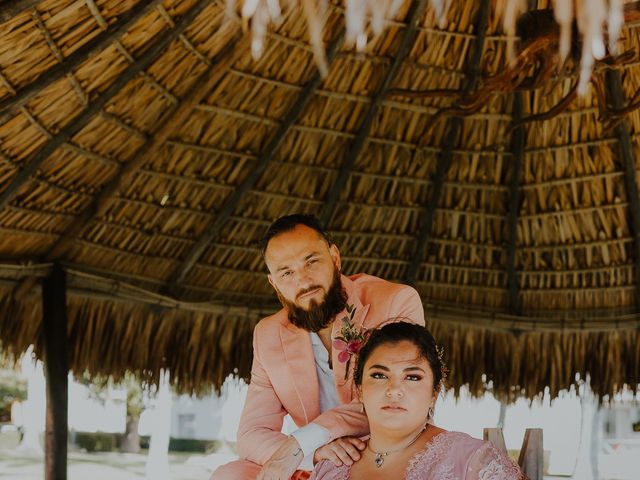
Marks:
<point>288,374</point>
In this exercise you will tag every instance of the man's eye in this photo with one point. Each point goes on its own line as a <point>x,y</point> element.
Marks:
<point>286,274</point>
<point>414,378</point>
<point>378,375</point>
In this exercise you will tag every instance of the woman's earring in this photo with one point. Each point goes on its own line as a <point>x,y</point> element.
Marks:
<point>430,413</point>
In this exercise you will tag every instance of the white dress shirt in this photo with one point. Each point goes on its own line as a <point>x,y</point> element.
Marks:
<point>313,436</point>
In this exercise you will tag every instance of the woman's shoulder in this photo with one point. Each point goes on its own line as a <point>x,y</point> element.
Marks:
<point>462,446</point>
<point>481,459</point>
<point>447,446</point>
<point>454,455</point>
<point>448,438</point>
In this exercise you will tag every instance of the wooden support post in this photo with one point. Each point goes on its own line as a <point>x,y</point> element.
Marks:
<point>56,366</point>
<point>531,459</point>
<point>494,435</point>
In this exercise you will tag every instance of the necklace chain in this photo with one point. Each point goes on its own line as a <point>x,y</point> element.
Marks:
<point>379,460</point>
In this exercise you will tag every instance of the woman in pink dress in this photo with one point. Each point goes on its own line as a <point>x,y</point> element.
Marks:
<point>399,374</point>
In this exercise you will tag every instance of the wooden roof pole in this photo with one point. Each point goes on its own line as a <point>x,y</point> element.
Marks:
<point>515,194</point>
<point>9,9</point>
<point>518,144</point>
<point>232,201</point>
<point>616,97</point>
<point>82,119</point>
<point>70,63</point>
<point>355,148</point>
<point>454,126</point>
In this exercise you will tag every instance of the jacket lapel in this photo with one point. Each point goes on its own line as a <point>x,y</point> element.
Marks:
<point>298,353</point>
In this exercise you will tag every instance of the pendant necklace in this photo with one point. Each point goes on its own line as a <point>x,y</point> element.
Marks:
<point>379,460</point>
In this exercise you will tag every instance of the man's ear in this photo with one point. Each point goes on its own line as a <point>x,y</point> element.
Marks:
<point>270,278</point>
<point>335,256</point>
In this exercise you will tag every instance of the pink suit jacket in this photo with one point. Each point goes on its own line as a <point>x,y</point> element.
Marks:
<point>283,375</point>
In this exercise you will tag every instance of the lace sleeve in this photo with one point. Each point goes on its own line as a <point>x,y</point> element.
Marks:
<point>325,470</point>
<point>489,463</point>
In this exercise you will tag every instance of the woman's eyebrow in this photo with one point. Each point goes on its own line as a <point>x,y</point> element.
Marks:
<point>410,369</point>
<point>380,367</point>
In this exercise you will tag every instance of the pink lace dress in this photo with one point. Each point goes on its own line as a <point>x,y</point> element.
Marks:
<point>448,456</point>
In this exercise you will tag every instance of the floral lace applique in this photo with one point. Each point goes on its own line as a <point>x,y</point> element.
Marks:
<point>499,467</point>
<point>422,463</point>
<point>341,473</point>
<point>444,458</point>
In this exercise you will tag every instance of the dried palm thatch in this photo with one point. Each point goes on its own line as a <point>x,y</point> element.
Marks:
<point>146,151</point>
<point>107,319</point>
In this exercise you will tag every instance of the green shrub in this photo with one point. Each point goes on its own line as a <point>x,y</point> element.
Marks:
<point>192,445</point>
<point>145,440</point>
<point>110,442</point>
<point>96,441</point>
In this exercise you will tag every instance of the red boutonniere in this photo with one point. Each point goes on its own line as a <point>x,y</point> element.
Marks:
<point>350,339</point>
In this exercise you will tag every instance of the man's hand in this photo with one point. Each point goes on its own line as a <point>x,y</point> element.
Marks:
<point>283,463</point>
<point>342,451</point>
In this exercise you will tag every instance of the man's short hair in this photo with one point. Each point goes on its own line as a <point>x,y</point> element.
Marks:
<point>288,223</point>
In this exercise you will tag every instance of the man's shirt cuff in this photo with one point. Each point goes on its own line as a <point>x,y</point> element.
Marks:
<point>310,437</point>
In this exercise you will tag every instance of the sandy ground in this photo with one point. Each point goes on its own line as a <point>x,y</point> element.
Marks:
<point>103,466</point>
<point>16,465</point>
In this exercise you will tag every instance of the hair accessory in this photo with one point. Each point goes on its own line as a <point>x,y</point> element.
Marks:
<point>440,352</point>
<point>379,459</point>
<point>444,371</point>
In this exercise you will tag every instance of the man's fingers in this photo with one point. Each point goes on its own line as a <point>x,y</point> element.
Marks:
<point>343,451</point>
<point>333,458</point>
<point>356,442</point>
<point>346,452</point>
<point>344,457</point>
<point>351,450</point>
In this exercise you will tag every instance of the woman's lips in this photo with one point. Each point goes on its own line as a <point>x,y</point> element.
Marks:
<point>393,408</point>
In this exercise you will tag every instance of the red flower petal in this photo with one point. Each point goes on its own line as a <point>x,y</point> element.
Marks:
<point>339,344</point>
<point>343,357</point>
<point>354,346</point>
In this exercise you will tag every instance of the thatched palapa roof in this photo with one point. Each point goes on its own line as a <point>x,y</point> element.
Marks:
<point>145,150</point>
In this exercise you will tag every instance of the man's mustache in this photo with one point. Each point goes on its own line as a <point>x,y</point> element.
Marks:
<point>307,290</point>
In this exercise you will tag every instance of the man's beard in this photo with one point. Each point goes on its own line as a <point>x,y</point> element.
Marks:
<point>319,315</point>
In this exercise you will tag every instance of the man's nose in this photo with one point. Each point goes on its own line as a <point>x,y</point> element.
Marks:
<point>303,279</point>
